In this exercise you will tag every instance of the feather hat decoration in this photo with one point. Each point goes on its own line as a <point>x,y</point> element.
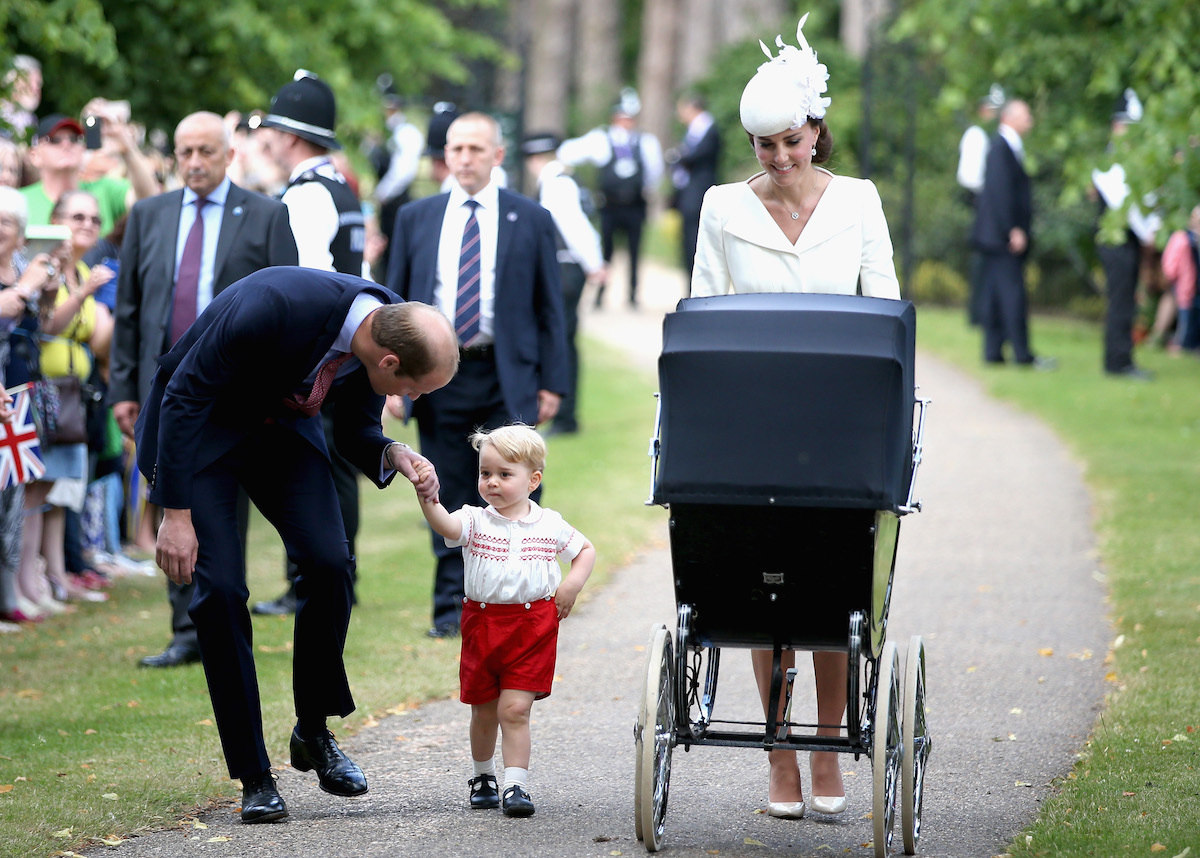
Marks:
<point>786,91</point>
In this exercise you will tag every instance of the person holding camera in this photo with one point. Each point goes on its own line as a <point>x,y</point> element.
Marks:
<point>59,150</point>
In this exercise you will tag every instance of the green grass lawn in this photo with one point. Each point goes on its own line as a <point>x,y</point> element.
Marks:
<point>93,746</point>
<point>1135,789</point>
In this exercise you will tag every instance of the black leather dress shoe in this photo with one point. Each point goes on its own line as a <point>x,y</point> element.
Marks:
<point>338,774</point>
<point>484,792</point>
<point>173,656</point>
<point>516,802</point>
<point>285,604</point>
<point>261,801</point>
<point>444,630</point>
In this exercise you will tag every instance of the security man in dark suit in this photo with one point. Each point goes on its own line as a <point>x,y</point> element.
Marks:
<point>486,258</point>
<point>694,165</point>
<point>234,404</point>
<point>1003,219</point>
<point>176,257</point>
<point>327,220</point>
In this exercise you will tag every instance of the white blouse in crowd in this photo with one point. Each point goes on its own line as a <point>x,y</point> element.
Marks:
<point>512,562</point>
<point>742,249</point>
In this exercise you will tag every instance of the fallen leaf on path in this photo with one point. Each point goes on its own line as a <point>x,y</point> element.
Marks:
<point>1046,651</point>
<point>111,841</point>
<point>750,841</point>
<point>218,839</point>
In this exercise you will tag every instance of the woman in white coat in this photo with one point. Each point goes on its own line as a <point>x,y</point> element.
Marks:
<point>795,227</point>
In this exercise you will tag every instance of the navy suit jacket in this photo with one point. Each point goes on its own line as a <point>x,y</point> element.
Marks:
<point>252,347</point>
<point>255,233</point>
<point>701,161</point>
<point>530,334</point>
<point>1006,200</point>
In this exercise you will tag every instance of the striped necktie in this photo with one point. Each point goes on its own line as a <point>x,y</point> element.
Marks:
<point>466,311</point>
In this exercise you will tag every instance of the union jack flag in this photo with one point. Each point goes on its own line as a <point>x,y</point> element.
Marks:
<point>20,452</point>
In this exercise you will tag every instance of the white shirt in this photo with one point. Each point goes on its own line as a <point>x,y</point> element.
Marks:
<point>558,194</point>
<point>214,211</point>
<point>313,214</point>
<point>972,158</point>
<point>407,144</point>
<point>513,562</point>
<point>1014,141</point>
<point>1114,189</point>
<point>445,290</point>
<point>595,148</point>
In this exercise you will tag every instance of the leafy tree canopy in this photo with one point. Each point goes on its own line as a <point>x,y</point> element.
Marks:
<point>1070,59</point>
<point>172,57</point>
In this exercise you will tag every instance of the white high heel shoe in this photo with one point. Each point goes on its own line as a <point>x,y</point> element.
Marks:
<point>786,809</point>
<point>831,804</point>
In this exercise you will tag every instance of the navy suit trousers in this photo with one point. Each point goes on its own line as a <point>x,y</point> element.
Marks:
<point>290,482</point>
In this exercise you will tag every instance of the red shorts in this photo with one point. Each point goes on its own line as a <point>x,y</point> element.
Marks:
<point>507,646</point>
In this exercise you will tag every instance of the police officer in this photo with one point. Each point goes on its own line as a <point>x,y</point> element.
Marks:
<point>327,221</point>
<point>579,255</point>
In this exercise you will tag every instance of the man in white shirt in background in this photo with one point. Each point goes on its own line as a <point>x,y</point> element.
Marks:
<point>579,256</point>
<point>972,158</point>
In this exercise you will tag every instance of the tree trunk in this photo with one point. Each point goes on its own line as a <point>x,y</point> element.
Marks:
<point>597,61</point>
<point>656,68</point>
<point>548,65</point>
<point>860,20</point>
<point>700,33</point>
<point>754,19</point>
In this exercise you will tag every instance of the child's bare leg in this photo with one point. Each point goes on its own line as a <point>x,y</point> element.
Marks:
<point>484,724</point>
<point>513,710</point>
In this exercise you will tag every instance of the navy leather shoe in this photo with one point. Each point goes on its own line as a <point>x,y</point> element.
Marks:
<point>516,802</point>
<point>261,801</point>
<point>484,792</point>
<point>173,656</point>
<point>337,773</point>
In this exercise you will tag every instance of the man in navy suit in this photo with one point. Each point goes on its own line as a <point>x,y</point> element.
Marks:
<point>235,403</point>
<point>1003,217</point>
<point>694,170</point>
<point>508,313</point>
<point>239,233</point>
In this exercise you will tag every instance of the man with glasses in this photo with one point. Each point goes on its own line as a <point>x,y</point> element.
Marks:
<point>58,153</point>
<point>181,249</point>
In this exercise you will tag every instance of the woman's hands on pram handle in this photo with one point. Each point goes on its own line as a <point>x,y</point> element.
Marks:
<point>568,590</point>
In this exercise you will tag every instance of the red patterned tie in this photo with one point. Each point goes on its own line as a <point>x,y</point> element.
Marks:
<point>187,283</point>
<point>321,384</point>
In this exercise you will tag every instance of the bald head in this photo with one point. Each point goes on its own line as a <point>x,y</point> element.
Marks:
<point>1016,115</point>
<point>202,151</point>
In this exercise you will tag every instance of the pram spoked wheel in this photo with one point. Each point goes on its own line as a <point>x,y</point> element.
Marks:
<point>653,740</point>
<point>916,745</point>
<point>885,749</point>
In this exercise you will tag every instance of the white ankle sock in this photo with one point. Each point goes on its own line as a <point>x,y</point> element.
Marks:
<point>486,767</point>
<point>514,776</point>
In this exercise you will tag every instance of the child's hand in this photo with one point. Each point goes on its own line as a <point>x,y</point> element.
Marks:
<point>564,598</point>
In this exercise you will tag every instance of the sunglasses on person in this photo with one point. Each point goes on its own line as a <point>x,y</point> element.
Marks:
<point>80,217</point>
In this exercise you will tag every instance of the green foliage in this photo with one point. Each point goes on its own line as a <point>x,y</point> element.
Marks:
<point>171,57</point>
<point>1070,60</point>
<point>936,282</point>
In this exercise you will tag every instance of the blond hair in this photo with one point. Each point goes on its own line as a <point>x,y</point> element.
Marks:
<point>516,443</point>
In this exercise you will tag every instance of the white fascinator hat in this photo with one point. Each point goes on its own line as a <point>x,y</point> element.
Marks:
<point>787,89</point>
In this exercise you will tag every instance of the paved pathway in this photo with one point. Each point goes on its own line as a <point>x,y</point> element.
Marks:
<point>998,574</point>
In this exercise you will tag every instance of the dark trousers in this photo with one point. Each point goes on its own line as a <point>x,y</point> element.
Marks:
<point>1005,308</point>
<point>289,481</point>
<point>573,280</point>
<point>1120,285</point>
<point>345,479</point>
<point>628,220</point>
<point>446,418</point>
<point>183,630</point>
<point>690,237</point>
